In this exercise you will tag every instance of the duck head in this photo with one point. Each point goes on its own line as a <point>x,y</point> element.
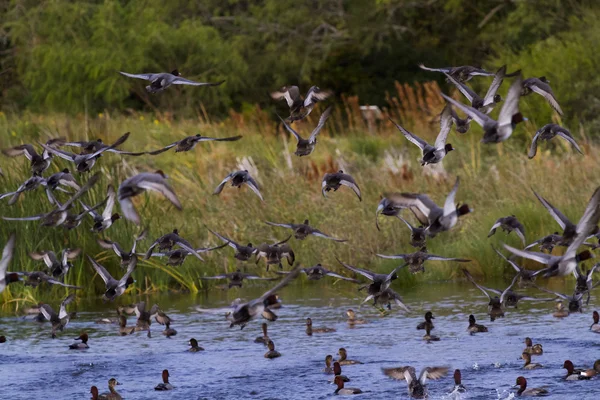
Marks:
<point>448,148</point>
<point>544,79</point>
<point>337,369</point>
<point>12,277</point>
<point>522,382</point>
<point>351,314</point>
<point>584,255</point>
<point>429,316</point>
<point>328,360</point>
<point>308,322</point>
<point>463,209</point>
<point>2,339</point>
<point>94,392</point>
<point>339,381</point>
<point>528,342</point>
<point>115,217</point>
<point>175,72</point>
<point>596,317</point>
<point>165,376</point>
<point>472,319</point>
<point>193,342</point>
<point>497,98</point>
<point>67,171</point>
<point>83,337</point>
<point>518,117</point>
<point>161,173</point>
<point>271,345</point>
<point>568,365</point>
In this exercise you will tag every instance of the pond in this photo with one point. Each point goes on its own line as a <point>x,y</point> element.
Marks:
<point>33,365</point>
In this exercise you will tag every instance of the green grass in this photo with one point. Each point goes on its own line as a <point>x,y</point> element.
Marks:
<point>496,181</point>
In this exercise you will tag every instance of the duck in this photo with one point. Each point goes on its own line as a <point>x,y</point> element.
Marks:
<point>125,330</point>
<point>485,104</point>
<point>583,281</point>
<point>385,298</point>
<point>7,255</point>
<point>29,185</point>
<point>92,146</point>
<point>107,218</point>
<point>177,257</point>
<point>301,231</point>
<point>463,73</point>
<point>341,390</point>
<point>167,241</point>
<point>549,132</point>
<point>343,355</point>
<point>388,207</point>
<point>272,353</point>
<point>416,387</point>
<point>168,332</point>
<point>575,301</point>
<point>379,282</point>
<point>560,312</point>
<point>237,179</point>
<point>509,224</point>
<point>310,330</point>
<point>144,318</point>
<point>38,162</point>
<point>474,327</point>
<point>418,234</point>
<point>159,81</point>
<point>274,253</point>
<point>500,130</point>
<point>427,324</point>
<point>333,181</point>
<point>138,184</point>
<point>528,364</point>
<point>595,327</point>
<point>526,277</point>
<point>352,320</point>
<point>523,391</point>
<point>542,87</point>
<point>415,261</point>
<point>432,154</point>
<point>236,278</point>
<point>85,162</point>
<point>165,385</point>
<point>429,337</point>
<point>317,272</point>
<point>242,253</point>
<point>337,370</point>
<point>189,142</point>
<point>73,220</point>
<point>114,288</point>
<point>462,124</point>
<point>300,108</point>
<point>111,395</point>
<point>546,243</point>
<point>435,218</point>
<point>572,373</point>
<point>264,339</point>
<point>589,373</point>
<point>57,267</point>
<point>2,339</point>
<point>126,258</point>
<point>61,320</point>
<point>328,368</point>
<point>496,304</point>
<point>59,179</point>
<point>458,386</point>
<point>533,349</point>
<point>194,347</point>
<point>83,345</point>
<point>305,147</point>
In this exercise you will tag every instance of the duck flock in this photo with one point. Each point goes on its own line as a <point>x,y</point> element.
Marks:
<point>66,208</point>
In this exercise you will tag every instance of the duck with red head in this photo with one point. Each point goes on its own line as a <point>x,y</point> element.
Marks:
<point>342,390</point>
<point>523,391</point>
<point>572,373</point>
<point>458,386</point>
<point>596,325</point>
<point>80,346</point>
<point>165,385</point>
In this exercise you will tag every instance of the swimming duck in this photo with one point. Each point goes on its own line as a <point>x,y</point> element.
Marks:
<point>80,345</point>
<point>39,162</point>
<point>7,254</point>
<point>548,132</point>
<point>237,278</point>
<point>462,124</point>
<point>274,253</point>
<point>137,184</point>
<point>337,370</point>
<point>114,288</point>
<point>432,154</point>
<point>560,312</point>
<point>272,353</point>
<point>416,387</point>
<point>583,281</point>
<point>125,330</point>
<point>339,381</point>
<point>165,385</point>
<point>333,181</point>
<point>159,81</point>
<point>485,104</point>
<point>526,276</point>
<point>194,348</point>
<point>589,373</point>
<point>328,368</point>
<point>301,231</point>
<point>352,320</point>
<point>427,323</point>
<point>380,282</point>
<point>35,278</point>
<point>429,214</point>
<point>300,108</point>
<point>310,330</point>
<point>416,260</point>
<point>243,313</point>
<point>85,162</point>
<point>418,235</point>
<point>509,224</point>
<point>30,184</point>
<point>189,142</point>
<point>542,87</point>
<point>112,395</point>
<point>164,319</point>
<point>458,386</point>
<point>166,242</point>
<point>242,253</point>
<point>60,320</point>
<point>496,304</point>
<point>57,267</point>
<point>534,349</point>
<point>264,339</point>
<point>237,179</point>
<point>462,74</point>
<point>575,301</point>
<point>572,373</point>
<point>343,355</point>
<point>126,257</point>
<point>429,337</point>
<point>528,364</point>
<point>305,147</point>
<point>523,391</point>
<point>595,327</point>
<point>509,117</point>
<point>107,218</point>
<point>474,327</point>
<point>177,257</point>
<point>317,272</point>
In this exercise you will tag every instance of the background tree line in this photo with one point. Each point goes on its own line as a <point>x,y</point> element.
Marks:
<point>61,55</point>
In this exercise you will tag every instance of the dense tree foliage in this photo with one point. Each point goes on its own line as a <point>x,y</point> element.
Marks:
<point>64,55</point>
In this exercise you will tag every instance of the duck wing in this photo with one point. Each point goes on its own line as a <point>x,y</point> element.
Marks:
<point>565,134</point>
<point>562,296</point>
<point>60,153</point>
<point>130,268</point>
<point>226,240</point>
<point>420,205</point>
<point>313,136</point>
<point>184,244</point>
<point>25,149</point>
<point>318,233</point>
<point>104,274</point>
<point>545,90</point>
<point>291,94</point>
<point>554,212</point>
<point>470,278</point>
<point>157,183</point>
<point>290,130</point>
<point>7,254</point>
<point>512,263</point>
<point>407,373</point>
<point>432,373</point>
<point>349,181</point>
<point>463,88</point>
<point>254,187</point>
<point>315,94</point>
<point>47,311</point>
<point>91,182</point>
<point>450,203</point>
<point>338,276</point>
<point>412,228</point>
<point>53,281</point>
<point>367,274</point>
<point>510,107</point>
<point>532,255</point>
<point>167,147</point>
<point>219,188</point>
<point>508,288</point>
<point>493,89</point>
<point>207,249</point>
<point>62,313</point>
<point>474,114</point>
<point>534,142</point>
<point>417,141</point>
<point>445,126</point>
<point>48,257</point>
<point>182,81</point>
<point>141,236</point>
<point>147,76</point>
<point>432,257</point>
<point>128,210</point>
<point>394,257</point>
<point>283,283</point>
<point>289,226</point>
<point>110,203</point>
<point>114,246</point>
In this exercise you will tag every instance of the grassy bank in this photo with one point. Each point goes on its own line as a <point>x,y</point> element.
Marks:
<point>496,181</point>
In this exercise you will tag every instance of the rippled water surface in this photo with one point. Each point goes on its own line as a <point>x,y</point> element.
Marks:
<point>32,365</point>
